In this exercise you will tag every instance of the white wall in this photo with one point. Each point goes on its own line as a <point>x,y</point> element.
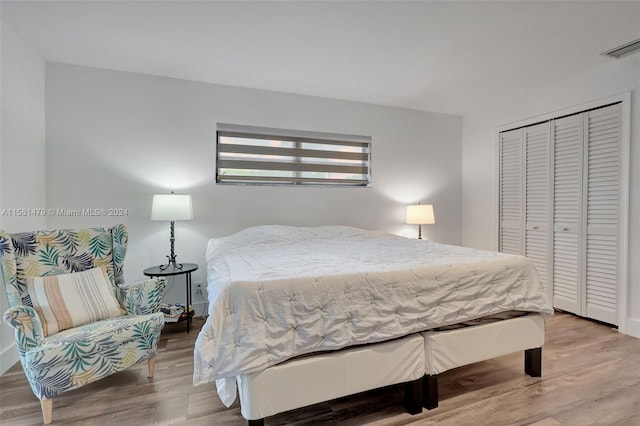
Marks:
<point>479,224</point>
<point>22,152</point>
<point>116,138</point>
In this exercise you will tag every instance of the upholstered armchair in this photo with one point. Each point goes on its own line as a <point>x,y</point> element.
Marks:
<point>75,320</point>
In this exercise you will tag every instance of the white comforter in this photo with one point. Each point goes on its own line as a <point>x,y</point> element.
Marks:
<point>276,292</point>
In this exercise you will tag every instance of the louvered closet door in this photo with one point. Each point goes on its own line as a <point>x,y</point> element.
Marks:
<point>567,213</point>
<point>511,196</point>
<point>537,228</point>
<point>602,175</point>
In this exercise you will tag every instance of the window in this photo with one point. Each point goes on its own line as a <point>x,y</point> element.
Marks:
<point>258,155</point>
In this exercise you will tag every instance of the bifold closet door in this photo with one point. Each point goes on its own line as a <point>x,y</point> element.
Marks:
<point>525,195</point>
<point>560,200</point>
<point>511,192</point>
<point>586,194</point>
<point>602,162</point>
<point>568,143</point>
<point>537,198</point>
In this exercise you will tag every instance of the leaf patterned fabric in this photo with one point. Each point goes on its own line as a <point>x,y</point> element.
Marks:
<point>141,298</point>
<point>43,253</point>
<point>81,355</point>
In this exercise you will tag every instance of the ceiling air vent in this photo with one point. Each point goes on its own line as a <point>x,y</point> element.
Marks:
<point>625,49</point>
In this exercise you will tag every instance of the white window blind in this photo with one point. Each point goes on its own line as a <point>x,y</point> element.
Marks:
<point>260,155</point>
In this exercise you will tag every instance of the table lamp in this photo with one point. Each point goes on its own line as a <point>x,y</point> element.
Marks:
<point>420,214</point>
<point>171,207</point>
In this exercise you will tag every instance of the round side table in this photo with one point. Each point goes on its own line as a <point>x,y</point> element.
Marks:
<point>187,269</point>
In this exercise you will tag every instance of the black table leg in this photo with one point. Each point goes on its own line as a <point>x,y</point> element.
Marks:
<point>188,278</point>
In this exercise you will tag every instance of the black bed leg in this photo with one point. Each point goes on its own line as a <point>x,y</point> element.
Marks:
<point>430,391</point>
<point>533,362</point>
<point>259,422</point>
<point>413,396</point>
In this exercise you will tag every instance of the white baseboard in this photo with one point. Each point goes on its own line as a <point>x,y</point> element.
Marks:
<point>8,357</point>
<point>633,327</point>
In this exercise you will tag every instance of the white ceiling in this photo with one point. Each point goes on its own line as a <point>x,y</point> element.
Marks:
<point>435,56</point>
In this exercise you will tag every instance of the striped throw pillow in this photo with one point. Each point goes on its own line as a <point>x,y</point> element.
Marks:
<point>70,300</point>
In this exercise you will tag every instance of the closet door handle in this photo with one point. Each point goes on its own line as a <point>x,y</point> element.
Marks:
<point>565,229</point>
<point>535,227</point>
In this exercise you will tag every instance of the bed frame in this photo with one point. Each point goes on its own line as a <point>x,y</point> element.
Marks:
<point>415,360</point>
<point>445,350</point>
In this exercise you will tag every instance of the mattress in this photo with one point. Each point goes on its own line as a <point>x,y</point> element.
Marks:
<point>277,292</point>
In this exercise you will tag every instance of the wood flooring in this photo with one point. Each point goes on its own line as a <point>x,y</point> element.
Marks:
<point>590,376</point>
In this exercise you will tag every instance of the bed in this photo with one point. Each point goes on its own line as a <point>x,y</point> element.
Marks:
<point>288,302</point>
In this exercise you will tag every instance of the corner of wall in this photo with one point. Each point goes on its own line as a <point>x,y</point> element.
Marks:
<point>8,357</point>
<point>23,135</point>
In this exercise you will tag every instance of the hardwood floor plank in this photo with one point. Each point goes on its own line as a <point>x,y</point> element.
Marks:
<point>590,376</point>
<point>620,407</point>
<point>534,402</point>
<point>547,422</point>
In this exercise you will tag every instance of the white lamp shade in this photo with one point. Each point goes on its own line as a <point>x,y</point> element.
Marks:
<point>421,214</point>
<point>171,207</point>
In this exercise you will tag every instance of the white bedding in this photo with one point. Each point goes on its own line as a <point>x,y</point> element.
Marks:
<point>276,292</point>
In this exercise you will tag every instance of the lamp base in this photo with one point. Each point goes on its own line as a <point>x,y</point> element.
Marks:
<point>172,261</point>
<point>172,257</point>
